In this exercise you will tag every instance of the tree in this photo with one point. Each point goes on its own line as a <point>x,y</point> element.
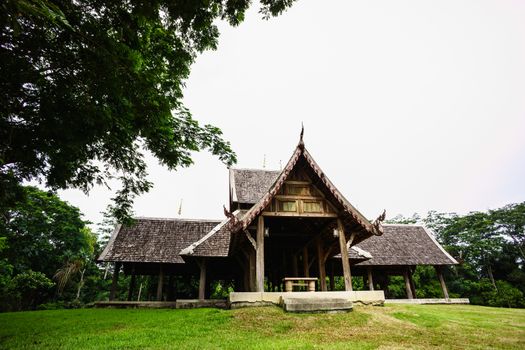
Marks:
<point>42,237</point>
<point>77,264</point>
<point>42,232</point>
<point>88,85</point>
<point>510,222</point>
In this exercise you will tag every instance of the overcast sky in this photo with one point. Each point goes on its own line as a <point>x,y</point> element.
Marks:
<point>408,106</point>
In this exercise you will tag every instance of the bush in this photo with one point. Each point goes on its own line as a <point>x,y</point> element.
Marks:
<point>52,306</point>
<point>29,289</point>
<point>505,296</point>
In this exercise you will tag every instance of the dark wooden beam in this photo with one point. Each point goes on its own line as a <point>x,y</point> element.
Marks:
<point>295,268</point>
<point>332,278</point>
<point>321,266</point>
<point>131,284</point>
<point>171,281</point>
<point>442,281</point>
<point>252,270</point>
<point>412,284</point>
<point>250,238</point>
<point>160,283</point>
<point>114,282</point>
<point>306,265</point>
<point>370,278</point>
<point>407,284</point>
<point>344,256</point>
<point>260,254</point>
<point>295,214</point>
<point>202,279</point>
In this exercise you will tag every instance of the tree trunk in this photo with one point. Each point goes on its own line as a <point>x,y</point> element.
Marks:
<point>491,276</point>
<point>81,283</point>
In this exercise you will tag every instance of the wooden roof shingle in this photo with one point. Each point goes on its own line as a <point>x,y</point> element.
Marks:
<point>248,186</point>
<point>159,240</point>
<point>405,245</point>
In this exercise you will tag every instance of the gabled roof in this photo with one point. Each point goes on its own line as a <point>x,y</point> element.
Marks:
<point>214,243</point>
<point>405,245</point>
<point>159,240</point>
<point>349,214</point>
<point>249,185</point>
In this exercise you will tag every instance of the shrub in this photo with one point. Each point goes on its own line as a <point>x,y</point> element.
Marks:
<point>28,289</point>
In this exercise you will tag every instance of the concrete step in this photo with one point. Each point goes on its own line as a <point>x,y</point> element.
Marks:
<point>291,304</point>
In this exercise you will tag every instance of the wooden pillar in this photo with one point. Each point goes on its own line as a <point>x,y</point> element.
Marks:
<point>246,281</point>
<point>170,288</point>
<point>259,265</point>
<point>114,282</point>
<point>321,266</point>
<point>412,285</point>
<point>202,279</point>
<point>407,284</point>
<point>332,279</point>
<point>131,284</point>
<point>252,262</point>
<point>306,266</point>
<point>160,283</point>
<point>442,281</point>
<point>295,269</point>
<point>370,278</point>
<point>344,256</point>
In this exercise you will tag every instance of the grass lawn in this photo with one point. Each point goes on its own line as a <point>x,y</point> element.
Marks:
<point>392,327</point>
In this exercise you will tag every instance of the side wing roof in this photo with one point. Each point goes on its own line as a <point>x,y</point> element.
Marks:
<point>405,245</point>
<point>159,240</point>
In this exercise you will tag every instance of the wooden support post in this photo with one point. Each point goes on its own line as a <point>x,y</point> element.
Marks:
<point>442,281</point>
<point>170,288</point>
<point>114,282</point>
<point>295,269</point>
<point>252,262</point>
<point>412,284</point>
<point>344,256</point>
<point>306,265</point>
<point>407,284</point>
<point>332,278</point>
<point>202,279</point>
<point>140,292</point>
<point>131,284</point>
<point>370,278</point>
<point>160,283</point>
<point>245,274</point>
<point>321,266</point>
<point>259,265</point>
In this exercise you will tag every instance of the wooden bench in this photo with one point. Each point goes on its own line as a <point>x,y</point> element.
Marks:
<point>290,282</point>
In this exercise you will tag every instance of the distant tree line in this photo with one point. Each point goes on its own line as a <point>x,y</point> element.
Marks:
<point>490,248</point>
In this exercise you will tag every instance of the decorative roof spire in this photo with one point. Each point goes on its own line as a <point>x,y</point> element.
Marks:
<point>180,208</point>
<point>301,142</point>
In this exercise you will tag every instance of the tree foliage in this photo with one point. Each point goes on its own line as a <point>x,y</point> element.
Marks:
<point>42,232</point>
<point>40,236</point>
<point>88,85</point>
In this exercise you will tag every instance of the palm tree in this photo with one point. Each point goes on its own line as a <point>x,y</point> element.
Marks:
<point>65,273</point>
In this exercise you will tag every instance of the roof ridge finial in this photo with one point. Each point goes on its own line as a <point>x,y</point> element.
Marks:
<point>301,142</point>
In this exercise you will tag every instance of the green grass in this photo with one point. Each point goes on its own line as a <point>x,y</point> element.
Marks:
<point>389,327</point>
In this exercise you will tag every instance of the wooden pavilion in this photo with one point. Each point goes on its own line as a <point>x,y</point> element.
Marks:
<point>291,224</point>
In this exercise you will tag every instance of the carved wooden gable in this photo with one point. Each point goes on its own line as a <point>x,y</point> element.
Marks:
<point>299,197</point>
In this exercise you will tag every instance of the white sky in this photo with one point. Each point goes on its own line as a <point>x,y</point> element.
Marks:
<point>408,106</point>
